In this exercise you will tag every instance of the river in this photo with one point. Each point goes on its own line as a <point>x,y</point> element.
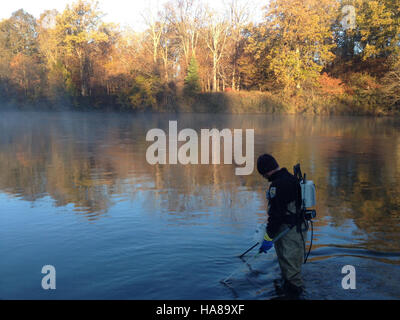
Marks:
<point>77,193</point>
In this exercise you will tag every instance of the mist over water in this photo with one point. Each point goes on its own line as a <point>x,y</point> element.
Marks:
<point>76,192</point>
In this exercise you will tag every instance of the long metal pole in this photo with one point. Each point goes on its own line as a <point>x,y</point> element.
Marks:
<point>256,255</point>
<point>248,250</point>
<point>275,239</point>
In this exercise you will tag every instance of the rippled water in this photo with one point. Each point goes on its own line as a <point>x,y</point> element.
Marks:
<point>77,193</point>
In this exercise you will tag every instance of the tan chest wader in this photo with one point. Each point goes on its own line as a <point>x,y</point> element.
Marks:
<point>291,249</point>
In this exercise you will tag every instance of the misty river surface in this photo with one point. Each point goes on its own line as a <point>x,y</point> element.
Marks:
<point>77,193</point>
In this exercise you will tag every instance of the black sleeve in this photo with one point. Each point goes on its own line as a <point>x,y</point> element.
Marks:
<point>277,207</point>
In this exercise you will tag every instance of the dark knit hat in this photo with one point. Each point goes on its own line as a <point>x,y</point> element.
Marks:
<point>266,163</point>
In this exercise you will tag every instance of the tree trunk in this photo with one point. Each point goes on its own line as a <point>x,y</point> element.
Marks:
<point>233,79</point>
<point>166,68</point>
<point>215,72</point>
<point>155,53</point>
<point>82,75</point>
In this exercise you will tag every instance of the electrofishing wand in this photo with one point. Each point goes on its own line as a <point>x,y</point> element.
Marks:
<point>258,242</point>
<point>255,256</point>
<point>248,250</point>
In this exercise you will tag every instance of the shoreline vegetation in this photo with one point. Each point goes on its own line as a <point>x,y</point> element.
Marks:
<point>304,57</point>
<point>241,102</point>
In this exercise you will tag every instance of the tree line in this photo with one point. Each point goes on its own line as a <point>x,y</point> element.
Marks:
<point>303,56</point>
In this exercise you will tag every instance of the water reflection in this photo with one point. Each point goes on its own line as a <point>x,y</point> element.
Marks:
<point>93,161</point>
<point>85,159</point>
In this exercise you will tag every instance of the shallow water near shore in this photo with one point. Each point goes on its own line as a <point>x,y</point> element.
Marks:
<point>77,193</point>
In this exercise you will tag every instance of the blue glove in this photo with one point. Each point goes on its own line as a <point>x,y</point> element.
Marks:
<point>266,244</point>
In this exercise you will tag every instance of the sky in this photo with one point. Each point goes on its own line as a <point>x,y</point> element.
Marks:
<point>125,12</point>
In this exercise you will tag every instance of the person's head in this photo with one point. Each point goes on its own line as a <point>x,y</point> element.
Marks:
<point>267,165</point>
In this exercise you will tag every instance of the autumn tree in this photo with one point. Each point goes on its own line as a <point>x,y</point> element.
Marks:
<point>168,51</point>
<point>55,88</point>
<point>119,65</point>
<point>392,83</point>
<point>238,17</point>
<point>378,23</point>
<point>80,33</point>
<point>375,33</point>
<point>19,33</point>
<point>215,37</point>
<point>26,75</point>
<point>299,39</point>
<point>155,22</point>
<point>185,18</point>
<point>20,61</point>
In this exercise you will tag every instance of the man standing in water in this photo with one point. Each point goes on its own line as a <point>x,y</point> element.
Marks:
<point>284,207</point>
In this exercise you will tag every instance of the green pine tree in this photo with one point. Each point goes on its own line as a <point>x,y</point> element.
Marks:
<point>192,82</point>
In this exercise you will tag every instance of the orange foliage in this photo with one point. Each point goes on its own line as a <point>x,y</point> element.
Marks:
<point>25,73</point>
<point>331,86</point>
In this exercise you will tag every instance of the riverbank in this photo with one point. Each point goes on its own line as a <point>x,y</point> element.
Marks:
<point>234,102</point>
<point>266,102</point>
